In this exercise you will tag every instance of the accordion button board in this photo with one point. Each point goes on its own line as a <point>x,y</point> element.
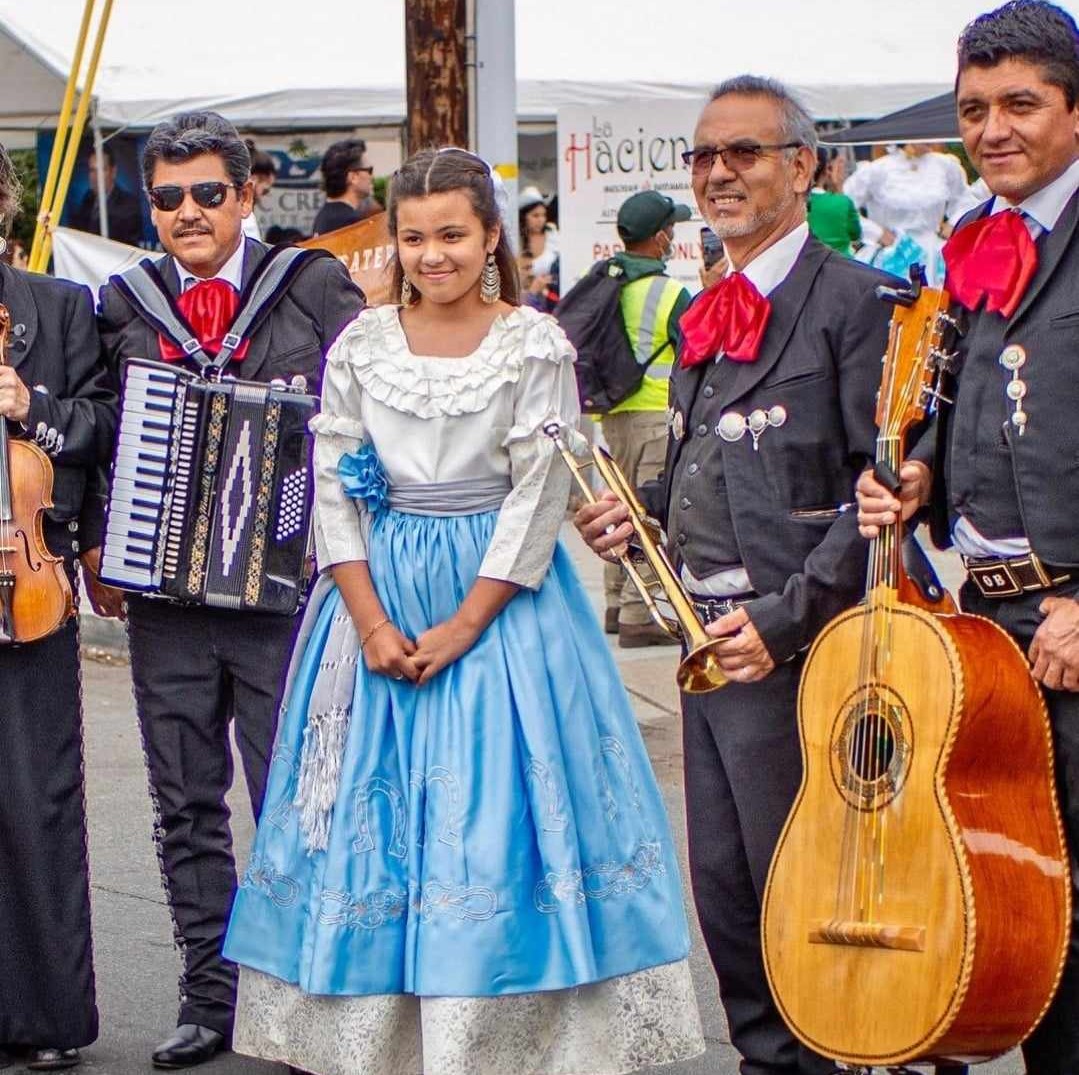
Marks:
<point>210,497</point>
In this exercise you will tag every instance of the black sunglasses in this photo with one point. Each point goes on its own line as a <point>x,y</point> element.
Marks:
<point>739,157</point>
<point>169,198</point>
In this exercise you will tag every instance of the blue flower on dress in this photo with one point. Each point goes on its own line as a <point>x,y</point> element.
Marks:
<point>364,478</point>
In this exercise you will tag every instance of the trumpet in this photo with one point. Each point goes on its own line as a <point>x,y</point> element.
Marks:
<point>699,670</point>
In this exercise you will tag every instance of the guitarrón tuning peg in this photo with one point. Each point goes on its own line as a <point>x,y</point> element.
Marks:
<point>933,397</point>
<point>944,361</point>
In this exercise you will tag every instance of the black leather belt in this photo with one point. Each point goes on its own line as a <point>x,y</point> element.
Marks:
<point>711,608</point>
<point>1014,575</point>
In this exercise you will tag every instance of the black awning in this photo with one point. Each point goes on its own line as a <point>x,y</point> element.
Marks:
<point>928,121</point>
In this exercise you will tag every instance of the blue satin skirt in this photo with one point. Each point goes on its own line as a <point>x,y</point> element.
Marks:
<point>497,831</point>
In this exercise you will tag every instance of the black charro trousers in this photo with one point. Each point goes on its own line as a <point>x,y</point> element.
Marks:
<point>197,670</point>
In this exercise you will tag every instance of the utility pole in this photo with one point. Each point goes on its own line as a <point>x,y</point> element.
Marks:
<point>437,75</point>
<point>494,102</point>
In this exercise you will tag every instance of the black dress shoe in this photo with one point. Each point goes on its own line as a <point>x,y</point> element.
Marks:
<point>190,1045</point>
<point>53,1059</point>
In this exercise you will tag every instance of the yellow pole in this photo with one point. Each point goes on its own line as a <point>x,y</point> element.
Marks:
<point>75,137</point>
<point>61,134</point>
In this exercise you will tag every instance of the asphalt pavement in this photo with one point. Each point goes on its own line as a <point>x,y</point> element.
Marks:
<point>137,964</point>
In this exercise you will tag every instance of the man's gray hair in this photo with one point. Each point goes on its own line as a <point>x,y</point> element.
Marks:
<point>796,122</point>
<point>194,134</point>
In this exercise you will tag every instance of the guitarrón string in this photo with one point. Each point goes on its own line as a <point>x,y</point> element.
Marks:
<point>870,740</point>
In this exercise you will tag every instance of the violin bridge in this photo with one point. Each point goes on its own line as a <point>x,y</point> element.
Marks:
<point>868,935</point>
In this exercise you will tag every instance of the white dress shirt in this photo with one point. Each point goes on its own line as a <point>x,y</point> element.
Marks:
<point>232,272</point>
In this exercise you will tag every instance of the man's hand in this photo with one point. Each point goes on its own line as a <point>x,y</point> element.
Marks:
<point>106,600</point>
<point>604,527</point>
<point>741,651</point>
<point>1054,652</point>
<point>715,272</point>
<point>878,506</point>
<point>14,396</point>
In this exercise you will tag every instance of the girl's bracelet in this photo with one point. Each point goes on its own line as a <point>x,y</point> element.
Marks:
<point>367,637</point>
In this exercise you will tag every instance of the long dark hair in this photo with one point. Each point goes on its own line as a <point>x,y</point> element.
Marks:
<point>10,192</point>
<point>439,171</point>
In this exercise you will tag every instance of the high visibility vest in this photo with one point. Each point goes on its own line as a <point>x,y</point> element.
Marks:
<point>646,306</point>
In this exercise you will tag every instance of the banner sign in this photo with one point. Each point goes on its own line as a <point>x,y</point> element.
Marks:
<point>605,154</point>
<point>366,251</point>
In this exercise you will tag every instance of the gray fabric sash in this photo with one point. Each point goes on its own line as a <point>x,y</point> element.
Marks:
<point>469,496</point>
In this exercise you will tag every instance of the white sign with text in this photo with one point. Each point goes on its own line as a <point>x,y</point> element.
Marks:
<point>605,154</point>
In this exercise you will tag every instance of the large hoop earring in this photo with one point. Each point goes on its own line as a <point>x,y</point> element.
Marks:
<point>406,291</point>
<point>490,281</point>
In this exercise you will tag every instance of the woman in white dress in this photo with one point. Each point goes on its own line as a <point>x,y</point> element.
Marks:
<point>911,197</point>
<point>463,863</point>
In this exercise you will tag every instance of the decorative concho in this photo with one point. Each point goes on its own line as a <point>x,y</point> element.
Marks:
<point>678,425</point>
<point>1013,358</point>
<point>733,426</point>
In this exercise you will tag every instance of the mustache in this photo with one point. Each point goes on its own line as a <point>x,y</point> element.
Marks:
<point>190,229</point>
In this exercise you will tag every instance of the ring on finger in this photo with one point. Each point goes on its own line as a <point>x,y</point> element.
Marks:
<point>399,675</point>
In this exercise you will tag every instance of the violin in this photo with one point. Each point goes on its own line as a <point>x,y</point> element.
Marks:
<point>35,594</point>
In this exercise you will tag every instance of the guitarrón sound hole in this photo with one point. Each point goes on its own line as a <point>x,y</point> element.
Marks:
<point>872,747</point>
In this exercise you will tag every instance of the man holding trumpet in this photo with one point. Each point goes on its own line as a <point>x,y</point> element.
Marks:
<point>771,421</point>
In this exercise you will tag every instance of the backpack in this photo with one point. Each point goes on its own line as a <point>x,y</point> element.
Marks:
<point>590,315</point>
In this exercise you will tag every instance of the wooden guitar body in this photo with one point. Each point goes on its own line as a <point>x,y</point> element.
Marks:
<point>918,905</point>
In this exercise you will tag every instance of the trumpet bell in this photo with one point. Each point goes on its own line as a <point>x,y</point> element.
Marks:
<point>699,671</point>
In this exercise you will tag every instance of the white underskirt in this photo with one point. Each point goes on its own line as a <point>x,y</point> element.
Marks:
<point>606,1028</point>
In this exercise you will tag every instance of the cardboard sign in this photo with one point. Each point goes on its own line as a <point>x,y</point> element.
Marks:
<point>366,250</point>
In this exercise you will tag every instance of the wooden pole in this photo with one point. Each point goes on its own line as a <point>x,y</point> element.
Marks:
<point>437,78</point>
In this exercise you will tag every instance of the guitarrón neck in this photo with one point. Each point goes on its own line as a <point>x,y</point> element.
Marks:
<point>884,562</point>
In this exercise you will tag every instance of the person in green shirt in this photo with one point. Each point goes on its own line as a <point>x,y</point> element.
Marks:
<point>833,217</point>
<point>651,304</point>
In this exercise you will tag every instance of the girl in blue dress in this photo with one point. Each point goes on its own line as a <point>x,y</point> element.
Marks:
<point>463,863</point>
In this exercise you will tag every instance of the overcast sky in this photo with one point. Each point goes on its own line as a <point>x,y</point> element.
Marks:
<point>179,48</point>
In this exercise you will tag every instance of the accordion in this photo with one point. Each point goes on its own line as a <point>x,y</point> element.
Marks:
<point>210,497</point>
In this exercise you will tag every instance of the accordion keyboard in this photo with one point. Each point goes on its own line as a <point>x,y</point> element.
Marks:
<point>140,476</point>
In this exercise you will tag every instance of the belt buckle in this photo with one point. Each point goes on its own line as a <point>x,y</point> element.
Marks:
<point>711,608</point>
<point>995,580</point>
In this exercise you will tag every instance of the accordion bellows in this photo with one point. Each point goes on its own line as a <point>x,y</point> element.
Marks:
<point>210,497</point>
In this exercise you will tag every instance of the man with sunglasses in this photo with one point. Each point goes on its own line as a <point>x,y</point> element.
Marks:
<point>196,669</point>
<point>347,178</point>
<point>771,421</point>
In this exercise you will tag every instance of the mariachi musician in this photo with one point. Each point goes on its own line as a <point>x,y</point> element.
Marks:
<point>195,668</point>
<point>54,392</point>
<point>771,422</point>
<point>999,469</point>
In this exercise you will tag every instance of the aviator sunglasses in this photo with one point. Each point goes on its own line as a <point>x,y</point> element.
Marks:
<point>170,197</point>
<point>738,157</point>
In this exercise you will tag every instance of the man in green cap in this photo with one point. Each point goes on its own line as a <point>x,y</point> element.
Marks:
<point>636,429</point>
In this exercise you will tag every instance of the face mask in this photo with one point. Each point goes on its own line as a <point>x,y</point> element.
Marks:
<point>666,254</point>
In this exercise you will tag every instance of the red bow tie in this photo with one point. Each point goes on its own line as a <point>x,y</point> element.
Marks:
<point>993,258</point>
<point>210,307</point>
<point>730,316</point>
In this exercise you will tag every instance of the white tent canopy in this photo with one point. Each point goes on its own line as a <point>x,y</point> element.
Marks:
<point>266,66</point>
<point>537,103</point>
